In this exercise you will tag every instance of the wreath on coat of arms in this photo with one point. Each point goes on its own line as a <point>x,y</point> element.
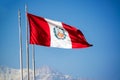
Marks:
<point>59,33</point>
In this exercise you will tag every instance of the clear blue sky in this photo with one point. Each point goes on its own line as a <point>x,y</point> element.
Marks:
<point>99,20</point>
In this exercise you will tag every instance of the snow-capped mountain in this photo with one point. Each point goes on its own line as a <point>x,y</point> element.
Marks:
<point>42,73</point>
<point>46,73</point>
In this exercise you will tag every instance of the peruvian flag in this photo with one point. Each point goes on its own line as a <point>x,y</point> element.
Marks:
<point>50,33</point>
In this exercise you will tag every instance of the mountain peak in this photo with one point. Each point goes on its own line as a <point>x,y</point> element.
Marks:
<point>43,73</point>
<point>45,70</point>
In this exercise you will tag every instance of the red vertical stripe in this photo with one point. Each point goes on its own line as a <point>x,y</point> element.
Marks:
<point>39,30</point>
<point>77,38</point>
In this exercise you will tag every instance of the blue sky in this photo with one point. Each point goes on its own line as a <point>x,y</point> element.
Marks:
<point>99,20</point>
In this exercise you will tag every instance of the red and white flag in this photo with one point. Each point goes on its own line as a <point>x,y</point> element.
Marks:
<point>52,33</point>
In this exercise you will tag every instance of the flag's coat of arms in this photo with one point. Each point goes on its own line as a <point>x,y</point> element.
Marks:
<point>59,33</point>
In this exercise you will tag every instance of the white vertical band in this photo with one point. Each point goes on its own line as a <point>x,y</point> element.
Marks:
<point>61,41</point>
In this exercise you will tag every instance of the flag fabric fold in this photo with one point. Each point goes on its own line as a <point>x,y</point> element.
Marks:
<point>50,33</point>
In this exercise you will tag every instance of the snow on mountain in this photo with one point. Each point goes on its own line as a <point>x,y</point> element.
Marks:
<point>42,73</point>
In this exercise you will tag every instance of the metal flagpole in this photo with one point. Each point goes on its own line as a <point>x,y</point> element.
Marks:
<point>20,42</point>
<point>33,61</point>
<point>27,44</point>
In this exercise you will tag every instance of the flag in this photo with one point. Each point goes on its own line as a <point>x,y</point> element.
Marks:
<point>50,33</point>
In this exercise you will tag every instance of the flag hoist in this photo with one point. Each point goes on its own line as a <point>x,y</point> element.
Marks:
<point>20,43</point>
<point>27,49</point>
<point>33,61</point>
<point>27,44</point>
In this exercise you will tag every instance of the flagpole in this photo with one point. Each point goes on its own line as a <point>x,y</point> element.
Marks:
<point>33,61</point>
<point>27,44</point>
<point>20,42</point>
